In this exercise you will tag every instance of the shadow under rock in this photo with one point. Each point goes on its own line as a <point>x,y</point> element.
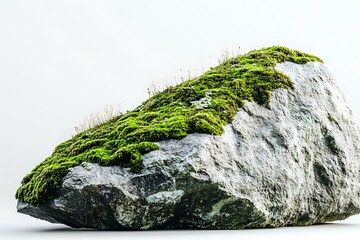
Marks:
<point>65,229</point>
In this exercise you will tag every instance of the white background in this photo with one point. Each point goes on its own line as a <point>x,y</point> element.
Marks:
<point>63,60</point>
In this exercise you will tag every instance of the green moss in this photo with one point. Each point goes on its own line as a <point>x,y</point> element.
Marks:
<point>203,104</point>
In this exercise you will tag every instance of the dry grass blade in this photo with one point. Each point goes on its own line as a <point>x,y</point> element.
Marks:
<point>95,119</point>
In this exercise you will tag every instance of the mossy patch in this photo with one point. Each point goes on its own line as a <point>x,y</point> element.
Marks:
<point>203,104</point>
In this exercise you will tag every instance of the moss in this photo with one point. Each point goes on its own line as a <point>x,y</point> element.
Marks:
<point>130,155</point>
<point>203,104</point>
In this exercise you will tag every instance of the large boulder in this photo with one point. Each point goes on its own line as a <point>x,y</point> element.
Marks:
<point>293,161</point>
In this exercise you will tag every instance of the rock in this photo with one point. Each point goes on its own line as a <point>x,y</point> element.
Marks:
<point>294,161</point>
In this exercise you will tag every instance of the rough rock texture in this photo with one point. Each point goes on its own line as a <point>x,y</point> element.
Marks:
<point>293,162</point>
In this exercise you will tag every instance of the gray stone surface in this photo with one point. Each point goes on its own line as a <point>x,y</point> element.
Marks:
<point>293,162</point>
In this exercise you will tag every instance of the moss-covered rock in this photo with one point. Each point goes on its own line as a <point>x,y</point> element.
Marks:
<point>203,104</point>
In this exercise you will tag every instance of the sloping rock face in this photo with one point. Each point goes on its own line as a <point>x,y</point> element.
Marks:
<point>294,162</point>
